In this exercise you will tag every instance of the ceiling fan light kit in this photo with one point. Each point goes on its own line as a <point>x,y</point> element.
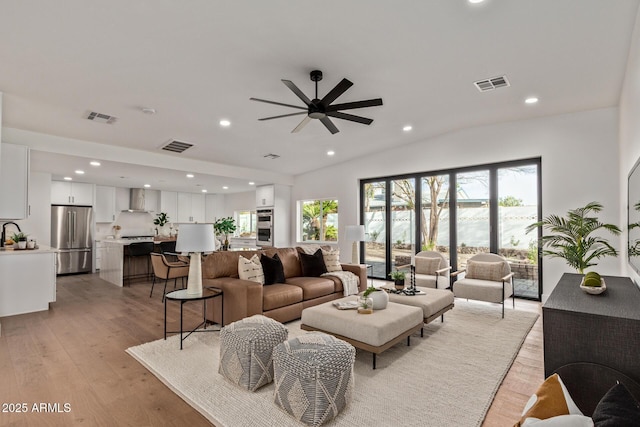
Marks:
<point>322,109</point>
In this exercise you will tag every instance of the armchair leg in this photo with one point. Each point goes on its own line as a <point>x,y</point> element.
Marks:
<point>152,284</point>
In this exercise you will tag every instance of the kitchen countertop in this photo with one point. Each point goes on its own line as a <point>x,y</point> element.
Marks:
<point>126,242</point>
<point>41,249</point>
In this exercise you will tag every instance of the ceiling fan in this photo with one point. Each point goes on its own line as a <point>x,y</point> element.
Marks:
<point>322,109</point>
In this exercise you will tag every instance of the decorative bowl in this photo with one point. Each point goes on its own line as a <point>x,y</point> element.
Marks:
<point>594,290</point>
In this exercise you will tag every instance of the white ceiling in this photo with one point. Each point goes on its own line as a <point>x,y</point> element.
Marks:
<point>199,61</point>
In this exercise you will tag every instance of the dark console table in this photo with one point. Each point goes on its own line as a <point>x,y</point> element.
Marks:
<point>592,340</point>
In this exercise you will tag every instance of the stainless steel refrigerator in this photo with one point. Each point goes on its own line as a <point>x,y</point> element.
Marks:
<point>71,236</point>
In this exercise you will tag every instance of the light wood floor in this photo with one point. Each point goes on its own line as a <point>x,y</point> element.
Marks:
<point>74,354</point>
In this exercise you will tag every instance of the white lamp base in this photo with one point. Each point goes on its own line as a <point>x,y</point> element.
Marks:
<point>194,282</point>
<point>355,259</point>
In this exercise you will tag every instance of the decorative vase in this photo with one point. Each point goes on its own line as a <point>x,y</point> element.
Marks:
<point>365,305</point>
<point>399,284</point>
<point>380,299</point>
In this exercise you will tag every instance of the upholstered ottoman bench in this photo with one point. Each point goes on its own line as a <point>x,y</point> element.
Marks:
<point>246,348</point>
<point>313,377</point>
<point>374,332</point>
<point>433,302</point>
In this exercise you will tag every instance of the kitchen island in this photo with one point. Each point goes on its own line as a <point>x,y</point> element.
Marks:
<point>113,267</point>
<point>29,280</point>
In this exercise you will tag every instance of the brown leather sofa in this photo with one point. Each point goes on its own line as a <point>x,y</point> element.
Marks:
<point>281,301</point>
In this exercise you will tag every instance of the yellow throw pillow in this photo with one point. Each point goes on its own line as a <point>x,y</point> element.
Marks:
<point>552,400</point>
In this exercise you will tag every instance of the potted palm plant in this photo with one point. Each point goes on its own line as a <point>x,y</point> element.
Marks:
<point>573,238</point>
<point>225,226</point>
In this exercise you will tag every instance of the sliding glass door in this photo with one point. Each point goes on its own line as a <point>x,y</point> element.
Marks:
<point>459,213</point>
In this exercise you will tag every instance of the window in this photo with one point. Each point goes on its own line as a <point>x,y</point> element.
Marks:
<point>318,220</point>
<point>246,223</point>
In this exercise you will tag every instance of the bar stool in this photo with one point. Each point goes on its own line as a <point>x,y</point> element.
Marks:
<point>139,249</point>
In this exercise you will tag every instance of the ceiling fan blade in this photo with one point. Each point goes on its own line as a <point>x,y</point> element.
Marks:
<point>283,115</point>
<point>336,92</point>
<point>357,104</point>
<point>297,91</point>
<point>351,117</point>
<point>278,103</point>
<point>329,125</point>
<point>302,124</point>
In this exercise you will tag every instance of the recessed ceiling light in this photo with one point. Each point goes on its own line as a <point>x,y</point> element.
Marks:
<point>330,153</point>
<point>149,111</point>
<point>94,163</point>
<point>225,123</point>
<point>147,185</point>
<point>189,175</point>
<point>204,190</point>
<point>80,172</point>
<point>225,187</point>
<point>68,178</point>
<point>531,100</point>
<point>407,128</point>
<point>252,183</point>
<point>475,1</point>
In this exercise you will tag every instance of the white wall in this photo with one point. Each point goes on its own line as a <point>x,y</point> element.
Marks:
<point>629,133</point>
<point>579,153</point>
<point>238,201</point>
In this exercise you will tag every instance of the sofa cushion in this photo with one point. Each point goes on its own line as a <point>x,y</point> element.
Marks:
<point>312,265</point>
<point>313,287</point>
<point>617,408</point>
<point>337,283</point>
<point>280,295</point>
<point>487,270</point>
<point>427,265</point>
<point>290,261</point>
<point>332,260</point>
<point>273,269</point>
<point>251,269</point>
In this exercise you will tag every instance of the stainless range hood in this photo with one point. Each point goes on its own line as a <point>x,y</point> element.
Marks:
<point>137,201</point>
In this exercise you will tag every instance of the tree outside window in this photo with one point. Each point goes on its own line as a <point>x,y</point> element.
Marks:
<point>319,220</point>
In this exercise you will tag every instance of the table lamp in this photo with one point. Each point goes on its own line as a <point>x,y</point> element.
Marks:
<point>355,233</point>
<point>195,239</point>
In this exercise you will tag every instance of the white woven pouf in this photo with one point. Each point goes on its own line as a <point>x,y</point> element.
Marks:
<point>313,377</point>
<point>246,348</point>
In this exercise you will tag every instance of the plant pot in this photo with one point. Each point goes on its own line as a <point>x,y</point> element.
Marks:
<point>365,305</point>
<point>22,244</point>
<point>399,284</point>
<point>380,299</point>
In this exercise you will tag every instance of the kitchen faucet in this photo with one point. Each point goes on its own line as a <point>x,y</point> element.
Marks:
<point>4,231</point>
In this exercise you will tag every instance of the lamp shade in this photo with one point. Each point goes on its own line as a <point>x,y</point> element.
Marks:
<point>195,238</point>
<point>355,233</point>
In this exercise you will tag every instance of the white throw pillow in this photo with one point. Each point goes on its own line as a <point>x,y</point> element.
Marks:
<point>332,260</point>
<point>427,265</point>
<point>250,269</point>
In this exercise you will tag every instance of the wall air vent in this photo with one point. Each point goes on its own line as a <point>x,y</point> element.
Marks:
<point>176,146</point>
<point>101,118</point>
<point>492,83</point>
<point>271,156</point>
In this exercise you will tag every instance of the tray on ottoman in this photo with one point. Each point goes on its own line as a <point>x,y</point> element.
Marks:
<point>374,332</point>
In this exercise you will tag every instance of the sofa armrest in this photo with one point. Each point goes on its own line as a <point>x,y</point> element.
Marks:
<point>242,298</point>
<point>359,270</point>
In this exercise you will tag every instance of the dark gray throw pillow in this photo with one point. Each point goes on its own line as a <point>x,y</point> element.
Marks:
<point>617,408</point>
<point>273,269</point>
<point>313,265</point>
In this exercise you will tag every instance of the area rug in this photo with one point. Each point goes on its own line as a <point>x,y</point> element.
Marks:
<point>447,378</point>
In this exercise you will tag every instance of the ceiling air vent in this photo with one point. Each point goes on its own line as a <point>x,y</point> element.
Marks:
<point>271,156</point>
<point>491,84</point>
<point>101,118</point>
<point>176,146</point>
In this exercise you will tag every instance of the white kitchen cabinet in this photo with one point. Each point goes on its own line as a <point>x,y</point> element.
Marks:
<point>265,196</point>
<point>105,209</point>
<point>71,193</point>
<point>191,207</point>
<point>14,181</point>
<point>169,205</point>
<point>151,198</point>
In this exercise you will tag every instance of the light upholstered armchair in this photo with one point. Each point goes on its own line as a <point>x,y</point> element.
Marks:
<point>432,270</point>
<point>487,277</point>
